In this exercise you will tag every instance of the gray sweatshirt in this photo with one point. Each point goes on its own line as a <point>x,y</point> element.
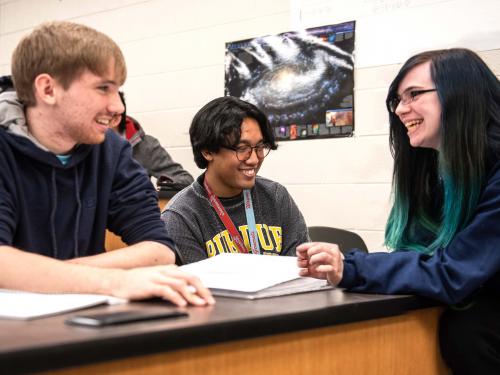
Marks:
<point>199,233</point>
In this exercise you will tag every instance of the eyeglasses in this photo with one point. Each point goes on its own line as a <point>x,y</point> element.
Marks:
<point>405,98</point>
<point>243,153</point>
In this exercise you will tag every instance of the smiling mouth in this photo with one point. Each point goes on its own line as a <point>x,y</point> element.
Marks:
<point>103,122</point>
<point>411,126</point>
<point>248,172</point>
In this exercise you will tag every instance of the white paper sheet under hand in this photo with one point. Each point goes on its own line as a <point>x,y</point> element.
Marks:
<point>253,276</point>
<point>25,305</point>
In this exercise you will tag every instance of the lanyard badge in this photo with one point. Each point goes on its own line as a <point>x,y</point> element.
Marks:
<point>228,223</point>
<point>252,228</point>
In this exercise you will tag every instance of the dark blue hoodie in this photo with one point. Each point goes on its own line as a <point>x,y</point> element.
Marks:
<point>62,211</point>
<point>469,264</point>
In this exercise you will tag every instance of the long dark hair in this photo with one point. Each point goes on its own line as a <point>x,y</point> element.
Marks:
<point>436,192</point>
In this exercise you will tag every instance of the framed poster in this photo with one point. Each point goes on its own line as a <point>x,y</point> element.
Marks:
<point>303,81</point>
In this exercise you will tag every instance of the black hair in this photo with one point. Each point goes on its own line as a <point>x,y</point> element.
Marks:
<point>218,124</point>
<point>123,119</point>
<point>6,83</point>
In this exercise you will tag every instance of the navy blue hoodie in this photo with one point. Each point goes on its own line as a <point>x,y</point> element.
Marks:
<point>470,263</point>
<point>62,211</point>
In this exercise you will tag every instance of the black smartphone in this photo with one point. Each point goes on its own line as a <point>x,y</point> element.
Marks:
<point>122,317</point>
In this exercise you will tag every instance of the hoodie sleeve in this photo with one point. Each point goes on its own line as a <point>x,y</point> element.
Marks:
<point>134,213</point>
<point>451,274</point>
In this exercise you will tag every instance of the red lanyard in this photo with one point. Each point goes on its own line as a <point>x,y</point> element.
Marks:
<point>226,220</point>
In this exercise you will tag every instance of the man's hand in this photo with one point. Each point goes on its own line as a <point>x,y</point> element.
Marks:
<point>320,260</point>
<point>21,270</point>
<point>167,282</point>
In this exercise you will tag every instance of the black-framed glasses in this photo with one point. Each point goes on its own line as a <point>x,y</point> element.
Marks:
<point>244,152</point>
<point>405,98</point>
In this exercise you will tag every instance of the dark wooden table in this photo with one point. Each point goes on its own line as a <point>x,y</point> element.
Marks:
<point>318,332</point>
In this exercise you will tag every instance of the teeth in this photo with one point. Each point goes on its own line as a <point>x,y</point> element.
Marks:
<point>103,122</point>
<point>249,172</point>
<point>413,123</point>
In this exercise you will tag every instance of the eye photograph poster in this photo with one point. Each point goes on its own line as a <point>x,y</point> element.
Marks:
<point>303,80</point>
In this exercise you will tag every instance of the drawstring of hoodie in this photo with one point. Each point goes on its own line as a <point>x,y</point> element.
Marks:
<point>53,214</point>
<point>78,212</point>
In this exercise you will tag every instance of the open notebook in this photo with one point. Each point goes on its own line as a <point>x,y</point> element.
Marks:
<point>25,305</point>
<point>253,276</point>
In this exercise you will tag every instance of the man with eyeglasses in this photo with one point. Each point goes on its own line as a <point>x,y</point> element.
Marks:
<point>229,208</point>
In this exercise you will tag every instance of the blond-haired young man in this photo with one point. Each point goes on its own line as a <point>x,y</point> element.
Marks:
<point>66,177</point>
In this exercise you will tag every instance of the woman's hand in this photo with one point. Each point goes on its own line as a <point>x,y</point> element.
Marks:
<point>320,260</point>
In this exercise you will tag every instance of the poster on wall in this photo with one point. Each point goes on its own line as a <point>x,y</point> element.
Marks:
<point>303,81</point>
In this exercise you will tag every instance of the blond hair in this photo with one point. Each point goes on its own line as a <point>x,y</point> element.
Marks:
<point>63,50</point>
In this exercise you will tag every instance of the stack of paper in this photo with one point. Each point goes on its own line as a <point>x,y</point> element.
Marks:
<point>253,276</point>
<point>25,305</point>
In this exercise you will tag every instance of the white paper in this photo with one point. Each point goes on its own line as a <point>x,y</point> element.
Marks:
<point>26,305</point>
<point>249,273</point>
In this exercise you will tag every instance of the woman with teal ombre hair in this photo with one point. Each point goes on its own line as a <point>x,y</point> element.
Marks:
<point>444,225</point>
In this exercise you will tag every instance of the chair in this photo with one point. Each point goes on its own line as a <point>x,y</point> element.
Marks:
<point>345,239</point>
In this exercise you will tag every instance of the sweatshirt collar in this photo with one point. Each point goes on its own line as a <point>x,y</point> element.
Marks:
<point>13,118</point>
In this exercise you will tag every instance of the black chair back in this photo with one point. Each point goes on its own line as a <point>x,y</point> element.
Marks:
<point>345,239</point>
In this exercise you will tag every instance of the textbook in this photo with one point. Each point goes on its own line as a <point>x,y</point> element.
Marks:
<point>26,305</point>
<point>251,276</point>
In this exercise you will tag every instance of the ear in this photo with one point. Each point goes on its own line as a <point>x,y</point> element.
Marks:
<point>45,87</point>
<point>207,155</point>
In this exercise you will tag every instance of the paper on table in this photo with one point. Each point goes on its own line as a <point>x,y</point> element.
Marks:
<point>253,276</point>
<point>25,305</point>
